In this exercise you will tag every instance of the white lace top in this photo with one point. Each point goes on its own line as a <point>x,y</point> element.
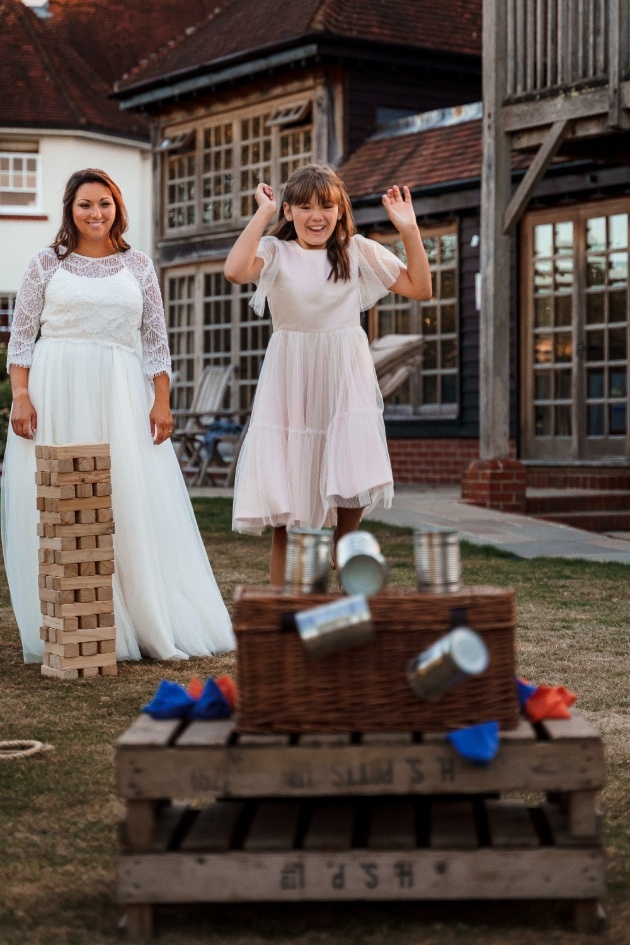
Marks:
<point>68,299</point>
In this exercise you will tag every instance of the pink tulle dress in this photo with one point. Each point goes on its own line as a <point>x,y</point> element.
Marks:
<point>316,440</point>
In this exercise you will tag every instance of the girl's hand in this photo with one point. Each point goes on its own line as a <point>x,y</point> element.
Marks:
<point>161,420</point>
<point>400,208</point>
<point>265,199</point>
<point>23,416</point>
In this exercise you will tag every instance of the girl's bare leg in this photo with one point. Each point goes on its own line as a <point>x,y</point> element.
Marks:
<point>278,555</point>
<point>348,520</point>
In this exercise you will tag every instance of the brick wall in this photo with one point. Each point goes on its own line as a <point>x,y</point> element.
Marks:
<point>438,461</point>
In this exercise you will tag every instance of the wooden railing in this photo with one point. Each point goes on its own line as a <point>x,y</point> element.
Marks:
<point>555,44</point>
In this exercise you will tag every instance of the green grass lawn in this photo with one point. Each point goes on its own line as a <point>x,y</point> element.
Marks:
<point>59,813</point>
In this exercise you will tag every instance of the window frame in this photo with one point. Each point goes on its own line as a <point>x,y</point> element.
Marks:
<point>415,409</point>
<point>303,105</point>
<point>17,209</point>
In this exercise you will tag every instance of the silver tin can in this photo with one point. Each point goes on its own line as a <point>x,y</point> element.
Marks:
<point>337,626</point>
<point>361,567</point>
<point>438,565</point>
<point>449,661</point>
<point>308,560</point>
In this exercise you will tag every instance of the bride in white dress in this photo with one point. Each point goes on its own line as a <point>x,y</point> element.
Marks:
<point>100,373</point>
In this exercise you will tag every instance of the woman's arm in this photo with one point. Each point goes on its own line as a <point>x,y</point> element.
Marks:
<point>242,265</point>
<point>160,416</point>
<point>415,281</point>
<point>23,415</point>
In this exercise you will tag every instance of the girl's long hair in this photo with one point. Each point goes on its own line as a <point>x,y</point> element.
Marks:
<point>67,239</point>
<point>321,180</point>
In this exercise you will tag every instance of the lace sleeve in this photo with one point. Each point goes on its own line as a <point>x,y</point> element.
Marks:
<point>378,270</point>
<point>268,251</point>
<point>156,357</point>
<point>28,308</point>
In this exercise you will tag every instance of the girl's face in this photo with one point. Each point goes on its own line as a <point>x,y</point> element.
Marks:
<point>314,222</point>
<point>93,212</point>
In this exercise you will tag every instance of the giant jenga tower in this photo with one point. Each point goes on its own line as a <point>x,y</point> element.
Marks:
<point>76,560</point>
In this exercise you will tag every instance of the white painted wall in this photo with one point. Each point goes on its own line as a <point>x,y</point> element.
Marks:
<point>129,164</point>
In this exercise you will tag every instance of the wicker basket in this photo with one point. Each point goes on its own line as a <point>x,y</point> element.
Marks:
<point>281,689</point>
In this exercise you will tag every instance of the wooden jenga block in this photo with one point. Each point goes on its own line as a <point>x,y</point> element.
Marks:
<point>110,670</point>
<point>79,531</point>
<point>52,634</point>
<point>107,646</point>
<point>84,463</point>
<point>88,671</point>
<point>105,621</point>
<point>65,650</point>
<point>102,462</point>
<point>61,624</point>
<point>75,450</point>
<point>46,658</point>
<point>59,674</point>
<point>41,504</point>
<point>105,515</point>
<point>89,649</point>
<point>88,516</point>
<point>84,595</point>
<point>60,467</point>
<point>89,622</point>
<point>93,476</point>
<point>80,556</point>
<point>74,583</point>
<point>43,634</point>
<point>104,593</point>
<point>103,488</point>
<point>100,635</point>
<point>85,542</point>
<point>87,568</point>
<point>67,517</point>
<point>105,567</point>
<point>105,541</point>
<point>60,493</point>
<point>80,662</point>
<point>84,490</point>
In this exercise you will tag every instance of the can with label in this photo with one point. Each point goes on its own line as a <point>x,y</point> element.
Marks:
<point>449,661</point>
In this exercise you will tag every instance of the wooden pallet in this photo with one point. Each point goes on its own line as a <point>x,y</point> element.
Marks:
<point>373,816</point>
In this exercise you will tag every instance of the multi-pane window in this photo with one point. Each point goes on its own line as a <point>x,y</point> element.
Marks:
<point>7,304</point>
<point>433,390</point>
<point>19,182</point>
<point>180,190</point>
<point>218,161</point>
<point>212,184</point>
<point>210,322</point>
<point>180,320</point>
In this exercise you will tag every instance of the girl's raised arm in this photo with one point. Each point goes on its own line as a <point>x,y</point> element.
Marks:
<point>414,282</point>
<point>242,265</point>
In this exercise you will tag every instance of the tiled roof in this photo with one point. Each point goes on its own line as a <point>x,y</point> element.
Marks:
<point>57,72</point>
<point>430,156</point>
<point>244,27</point>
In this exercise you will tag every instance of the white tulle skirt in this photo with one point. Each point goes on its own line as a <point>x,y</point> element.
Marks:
<point>316,440</point>
<point>166,601</point>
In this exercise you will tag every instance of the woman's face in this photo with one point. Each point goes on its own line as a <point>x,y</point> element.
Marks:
<point>93,212</point>
<point>314,222</point>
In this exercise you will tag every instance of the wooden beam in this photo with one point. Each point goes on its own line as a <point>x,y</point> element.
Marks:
<point>589,102</point>
<point>614,62</point>
<point>494,327</point>
<point>535,172</point>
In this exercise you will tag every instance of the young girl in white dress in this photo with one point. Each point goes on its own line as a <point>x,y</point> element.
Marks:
<point>100,373</point>
<point>315,454</point>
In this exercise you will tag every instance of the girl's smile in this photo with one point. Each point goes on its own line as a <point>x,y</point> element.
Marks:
<point>314,222</point>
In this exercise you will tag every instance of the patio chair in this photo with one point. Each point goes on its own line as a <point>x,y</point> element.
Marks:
<point>395,357</point>
<point>192,422</point>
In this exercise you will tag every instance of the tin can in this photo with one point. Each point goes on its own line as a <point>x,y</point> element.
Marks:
<point>449,661</point>
<point>308,560</point>
<point>361,567</point>
<point>337,626</point>
<point>438,565</point>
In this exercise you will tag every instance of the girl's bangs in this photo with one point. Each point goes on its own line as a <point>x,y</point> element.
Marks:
<point>325,190</point>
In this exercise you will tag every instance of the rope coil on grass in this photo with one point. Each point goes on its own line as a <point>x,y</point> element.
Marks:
<point>22,749</point>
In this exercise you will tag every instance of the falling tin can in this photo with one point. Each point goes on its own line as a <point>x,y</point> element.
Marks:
<point>438,565</point>
<point>361,567</point>
<point>308,560</point>
<point>449,661</point>
<point>339,625</point>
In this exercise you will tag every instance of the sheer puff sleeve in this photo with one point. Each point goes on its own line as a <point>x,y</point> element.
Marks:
<point>29,303</point>
<point>378,270</point>
<point>268,251</point>
<point>156,357</point>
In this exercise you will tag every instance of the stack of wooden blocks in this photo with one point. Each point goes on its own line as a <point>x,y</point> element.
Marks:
<point>76,560</point>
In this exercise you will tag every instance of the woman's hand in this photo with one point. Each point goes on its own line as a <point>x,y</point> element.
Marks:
<point>265,199</point>
<point>400,208</point>
<point>23,415</point>
<point>160,417</point>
